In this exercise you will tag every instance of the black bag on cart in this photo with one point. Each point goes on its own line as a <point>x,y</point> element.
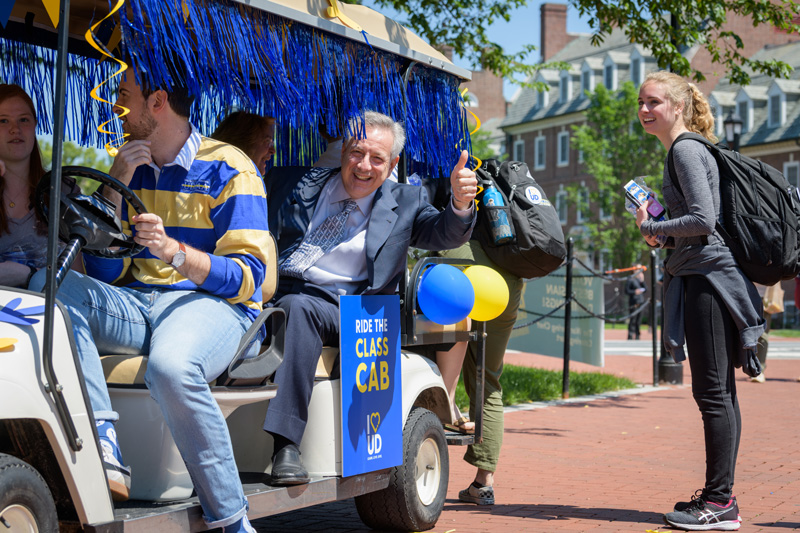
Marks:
<point>537,244</point>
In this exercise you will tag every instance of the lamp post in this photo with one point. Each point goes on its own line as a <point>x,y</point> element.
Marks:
<point>733,129</point>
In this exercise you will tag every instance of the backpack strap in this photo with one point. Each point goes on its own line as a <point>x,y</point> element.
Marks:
<point>682,137</point>
<point>714,149</point>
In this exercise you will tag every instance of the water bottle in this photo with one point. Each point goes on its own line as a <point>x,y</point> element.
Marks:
<point>498,218</point>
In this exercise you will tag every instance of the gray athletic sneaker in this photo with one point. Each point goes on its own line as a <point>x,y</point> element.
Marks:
<point>701,515</point>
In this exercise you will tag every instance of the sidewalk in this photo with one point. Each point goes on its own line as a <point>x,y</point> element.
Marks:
<point>615,464</point>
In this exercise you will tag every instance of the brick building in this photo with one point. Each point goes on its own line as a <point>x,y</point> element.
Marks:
<point>538,125</point>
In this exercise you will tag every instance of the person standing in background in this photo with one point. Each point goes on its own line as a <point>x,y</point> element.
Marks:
<point>635,289</point>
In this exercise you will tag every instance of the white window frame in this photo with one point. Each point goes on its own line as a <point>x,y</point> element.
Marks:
<point>519,148</point>
<point>792,167</point>
<point>602,213</point>
<point>561,203</point>
<point>610,66</point>
<point>562,162</point>
<point>540,153</point>
<point>564,87</point>
<point>747,114</point>
<point>543,98</point>
<point>587,74</point>
<point>638,59</point>
<point>775,93</point>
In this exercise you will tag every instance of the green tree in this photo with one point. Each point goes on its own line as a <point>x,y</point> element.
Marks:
<point>664,26</point>
<point>481,146</point>
<point>73,154</point>
<point>615,150</point>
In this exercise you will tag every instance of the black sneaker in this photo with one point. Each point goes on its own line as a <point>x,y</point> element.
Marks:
<point>698,494</point>
<point>682,506</point>
<point>701,515</point>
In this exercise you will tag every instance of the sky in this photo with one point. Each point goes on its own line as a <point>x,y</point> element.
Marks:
<point>522,29</point>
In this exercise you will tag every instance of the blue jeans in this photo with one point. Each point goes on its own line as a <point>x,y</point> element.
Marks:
<point>190,337</point>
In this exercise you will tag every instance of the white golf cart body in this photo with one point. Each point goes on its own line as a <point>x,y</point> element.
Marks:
<point>47,429</point>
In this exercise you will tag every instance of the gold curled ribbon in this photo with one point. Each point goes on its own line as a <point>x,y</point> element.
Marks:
<point>336,12</point>
<point>478,162</point>
<point>7,344</point>
<point>113,146</point>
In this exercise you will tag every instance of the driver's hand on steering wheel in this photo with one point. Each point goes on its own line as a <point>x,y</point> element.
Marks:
<point>151,234</point>
<point>132,155</point>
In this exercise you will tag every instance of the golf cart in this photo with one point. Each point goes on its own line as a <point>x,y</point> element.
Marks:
<point>51,473</point>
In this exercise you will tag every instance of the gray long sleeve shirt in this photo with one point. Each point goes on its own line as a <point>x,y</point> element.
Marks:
<point>694,207</point>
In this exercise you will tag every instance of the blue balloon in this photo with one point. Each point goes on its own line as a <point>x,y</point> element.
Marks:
<point>445,294</point>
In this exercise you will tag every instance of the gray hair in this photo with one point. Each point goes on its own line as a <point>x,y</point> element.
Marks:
<point>373,119</point>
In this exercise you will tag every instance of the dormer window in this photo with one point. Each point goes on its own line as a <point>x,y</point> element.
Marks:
<point>776,106</point>
<point>637,68</point>
<point>564,87</point>
<point>610,74</point>
<point>587,79</point>
<point>636,71</point>
<point>743,107</point>
<point>541,99</point>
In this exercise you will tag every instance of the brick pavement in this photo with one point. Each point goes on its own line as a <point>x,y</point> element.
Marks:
<point>615,464</point>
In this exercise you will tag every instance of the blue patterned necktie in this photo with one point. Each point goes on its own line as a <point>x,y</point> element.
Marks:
<point>317,243</point>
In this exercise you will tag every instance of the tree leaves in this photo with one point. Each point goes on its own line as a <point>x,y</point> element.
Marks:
<point>666,27</point>
<point>615,150</point>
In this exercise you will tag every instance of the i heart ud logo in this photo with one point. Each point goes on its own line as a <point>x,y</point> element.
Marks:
<point>372,423</point>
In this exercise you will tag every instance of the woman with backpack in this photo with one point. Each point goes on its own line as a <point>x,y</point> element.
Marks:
<point>707,298</point>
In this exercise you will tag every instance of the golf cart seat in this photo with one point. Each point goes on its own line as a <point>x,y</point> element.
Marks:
<point>158,471</point>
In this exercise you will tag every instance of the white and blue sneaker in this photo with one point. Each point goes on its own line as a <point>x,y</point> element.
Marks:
<point>118,475</point>
<point>240,526</point>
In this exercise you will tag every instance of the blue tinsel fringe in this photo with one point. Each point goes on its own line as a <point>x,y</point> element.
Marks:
<point>234,57</point>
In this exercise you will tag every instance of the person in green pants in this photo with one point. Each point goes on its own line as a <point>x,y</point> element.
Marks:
<point>483,456</point>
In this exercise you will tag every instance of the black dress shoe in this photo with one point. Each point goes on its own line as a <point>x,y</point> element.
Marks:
<point>287,468</point>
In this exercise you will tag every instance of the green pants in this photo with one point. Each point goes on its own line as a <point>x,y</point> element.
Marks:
<point>486,454</point>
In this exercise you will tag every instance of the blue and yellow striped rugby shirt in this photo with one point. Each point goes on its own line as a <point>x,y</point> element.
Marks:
<point>218,206</point>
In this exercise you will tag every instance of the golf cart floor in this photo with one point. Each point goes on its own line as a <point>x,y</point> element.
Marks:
<point>264,500</point>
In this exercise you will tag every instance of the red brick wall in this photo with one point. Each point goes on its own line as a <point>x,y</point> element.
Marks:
<point>488,89</point>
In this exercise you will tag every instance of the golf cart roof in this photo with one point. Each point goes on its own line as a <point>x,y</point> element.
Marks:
<point>384,33</point>
<point>287,59</point>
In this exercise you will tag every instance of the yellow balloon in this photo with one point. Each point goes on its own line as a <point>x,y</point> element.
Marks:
<point>491,292</point>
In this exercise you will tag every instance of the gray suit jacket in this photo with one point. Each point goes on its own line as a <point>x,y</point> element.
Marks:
<point>400,218</point>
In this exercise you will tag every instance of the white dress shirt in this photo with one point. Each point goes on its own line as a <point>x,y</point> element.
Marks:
<point>344,267</point>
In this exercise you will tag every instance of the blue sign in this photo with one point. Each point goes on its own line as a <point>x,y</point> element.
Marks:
<point>372,406</point>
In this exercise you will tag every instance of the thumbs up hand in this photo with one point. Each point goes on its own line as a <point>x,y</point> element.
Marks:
<point>463,183</point>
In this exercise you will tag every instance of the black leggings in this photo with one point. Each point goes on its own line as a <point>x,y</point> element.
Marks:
<point>711,340</point>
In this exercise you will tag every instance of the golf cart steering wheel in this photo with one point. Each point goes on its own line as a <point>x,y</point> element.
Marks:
<point>91,219</point>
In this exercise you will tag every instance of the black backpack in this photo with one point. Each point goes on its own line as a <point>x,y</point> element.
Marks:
<point>759,214</point>
<point>537,244</point>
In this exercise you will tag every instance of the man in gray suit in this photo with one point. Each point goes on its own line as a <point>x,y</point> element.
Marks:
<point>345,231</point>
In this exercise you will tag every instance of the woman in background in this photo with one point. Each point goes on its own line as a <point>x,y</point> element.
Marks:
<point>23,237</point>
